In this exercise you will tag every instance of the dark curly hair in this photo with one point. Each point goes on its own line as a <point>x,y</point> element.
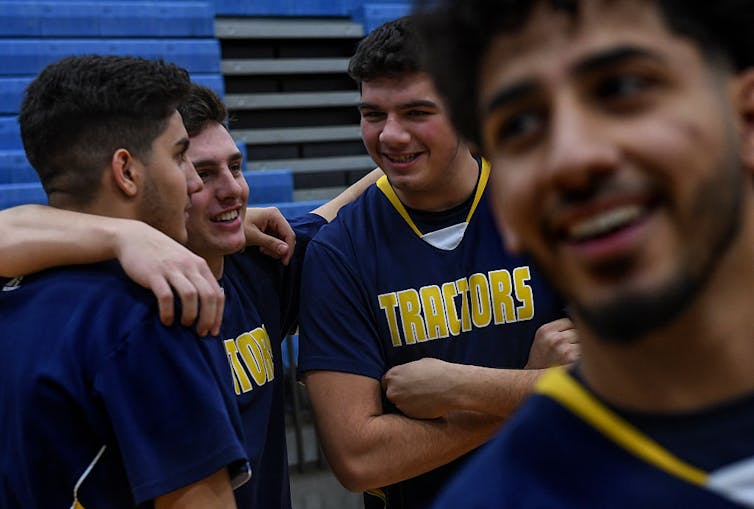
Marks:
<point>459,33</point>
<point>78,111</point>
<point>390,50</point>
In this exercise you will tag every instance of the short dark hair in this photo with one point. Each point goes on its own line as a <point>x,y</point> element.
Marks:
<point>78,111</point>
<point>459,33</point>
<point>391,50</point>
<point>200,107</point>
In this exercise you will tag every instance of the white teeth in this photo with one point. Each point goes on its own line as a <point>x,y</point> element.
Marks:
<point>226,216</point>
<point>403,159</point>
<point>603,223</point>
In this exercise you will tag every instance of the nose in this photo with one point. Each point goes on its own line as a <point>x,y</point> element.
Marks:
<point>581,145</point>
<point>393,132</point>
<point>230,185</point>
<point>194,183</point>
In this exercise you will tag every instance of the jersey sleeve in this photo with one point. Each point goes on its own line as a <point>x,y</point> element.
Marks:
<point>338,331</point>
<point>305,227</point>
<point>173,420</point>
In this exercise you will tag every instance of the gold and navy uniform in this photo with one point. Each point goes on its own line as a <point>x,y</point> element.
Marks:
<point>378,291</point>
<point>566,449</point>
<point>102,405</point>
<point>261,308</point>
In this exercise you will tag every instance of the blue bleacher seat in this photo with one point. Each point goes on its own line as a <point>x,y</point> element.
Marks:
<point>20,194</point>
<point>373,14</point>
<point>12,93</point>
<point>284,7</point>
<point>291,342</point>
<point>15,168</point>
<point>12,89</point>
<point>294,208</point>
<point>10,133</point>
<point>98,18</point>
<point>270,186</point>
<point>29,56</point>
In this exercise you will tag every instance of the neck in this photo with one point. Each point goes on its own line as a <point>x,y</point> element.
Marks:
<point>216,265</point>
<point>701,358</point>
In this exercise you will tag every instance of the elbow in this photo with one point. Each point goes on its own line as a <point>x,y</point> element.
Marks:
<point>352,472</point>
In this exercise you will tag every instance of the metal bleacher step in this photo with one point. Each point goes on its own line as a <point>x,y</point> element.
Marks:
<point>291,100</point>
<point>243,28</point>
<point>315,164</point>
<point>297,134</point>
<point>262,66</point>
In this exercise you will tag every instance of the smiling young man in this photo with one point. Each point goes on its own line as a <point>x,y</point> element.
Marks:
<point>102,404</point>
<point>410,288</point>
<point>622,138</point>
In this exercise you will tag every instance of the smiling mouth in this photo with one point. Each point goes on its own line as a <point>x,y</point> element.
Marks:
<point>225,217</point>
<point>605,223</point>
<point>402,159</point>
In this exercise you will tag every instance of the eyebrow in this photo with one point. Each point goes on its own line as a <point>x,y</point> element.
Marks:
<point>594,63</point>
<point>213,162</point>
<point>419,103</point>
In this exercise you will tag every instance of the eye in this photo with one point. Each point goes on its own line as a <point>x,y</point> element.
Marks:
<point>516,129</point>
<point>622,87</point>
<point>372,116</point>
<point>418,113</point>
<point>203,174</point>
<point>236,168</point>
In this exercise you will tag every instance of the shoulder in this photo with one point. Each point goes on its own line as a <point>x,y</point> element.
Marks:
<point>354,220</point>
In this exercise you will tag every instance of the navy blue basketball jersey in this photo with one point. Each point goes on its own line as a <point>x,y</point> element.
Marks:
<point>564,449</point>
<point>379,292</point>
<point>102,405</point>
<point>261,308</point>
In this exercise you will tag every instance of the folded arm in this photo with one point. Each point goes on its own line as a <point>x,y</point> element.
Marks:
<point>368,449</point>
<point>429,388</point>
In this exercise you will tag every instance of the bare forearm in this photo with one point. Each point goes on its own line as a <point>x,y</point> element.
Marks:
<point>428,388</point>
<point>392,448</point>
<point>330,209</point>
<point>37,237</point>
<point>491,390</point>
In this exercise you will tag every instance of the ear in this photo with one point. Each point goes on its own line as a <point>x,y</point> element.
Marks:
<point>744,101</point>
<point>126,173</point>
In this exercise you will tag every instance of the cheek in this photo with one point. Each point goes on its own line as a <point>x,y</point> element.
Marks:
<point>369,134</point>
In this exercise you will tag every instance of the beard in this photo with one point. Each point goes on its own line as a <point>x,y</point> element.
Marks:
<point>716,211</point>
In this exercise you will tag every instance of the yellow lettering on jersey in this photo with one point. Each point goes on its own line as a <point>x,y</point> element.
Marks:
<point>239,375</point>
<point>413,324</point>
<point>252,357</point>
<point>524,293</point>
<point>263,342</point>
<point>434,312</point>
<point>388,302</point>
<point>448,295</point>
<point>501,290</point>
<point>463,291</point>
<point>479,291</point>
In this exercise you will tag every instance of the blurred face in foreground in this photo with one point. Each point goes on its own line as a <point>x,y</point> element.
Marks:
<point>616,159</point>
